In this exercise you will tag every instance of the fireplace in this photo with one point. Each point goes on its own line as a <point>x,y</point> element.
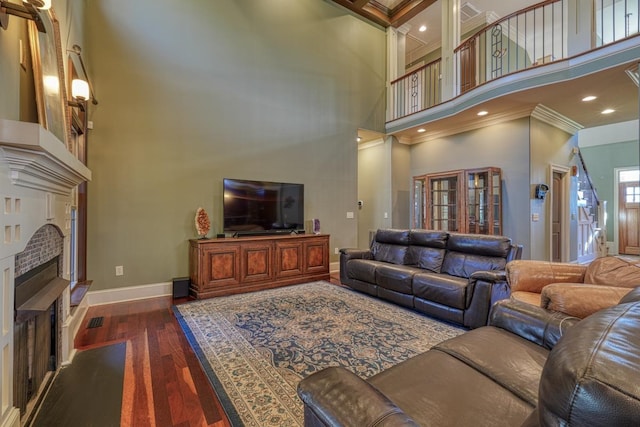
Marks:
<point>39,178</point>
<point>37,327</point>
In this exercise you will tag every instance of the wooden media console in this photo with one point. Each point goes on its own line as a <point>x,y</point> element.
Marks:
<point>243,264</point>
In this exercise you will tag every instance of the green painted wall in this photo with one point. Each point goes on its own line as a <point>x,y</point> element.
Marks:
<point>193,92</point>
<point>374,188</point>
<point>551,149</point>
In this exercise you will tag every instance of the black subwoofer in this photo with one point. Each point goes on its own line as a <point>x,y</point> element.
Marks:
<point>181,287</point>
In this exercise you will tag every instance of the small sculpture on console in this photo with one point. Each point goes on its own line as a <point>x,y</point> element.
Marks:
<point>202,223</point>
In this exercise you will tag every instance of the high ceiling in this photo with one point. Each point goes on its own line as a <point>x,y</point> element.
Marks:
<point>613,87</point>
<point>387,12</point>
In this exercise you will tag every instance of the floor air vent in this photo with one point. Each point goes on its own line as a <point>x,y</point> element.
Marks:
<point>95,322</point>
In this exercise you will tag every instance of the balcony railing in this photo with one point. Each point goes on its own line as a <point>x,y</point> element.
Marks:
<point>416,91</point>
<point>528,38</point>
<point>616,20</point>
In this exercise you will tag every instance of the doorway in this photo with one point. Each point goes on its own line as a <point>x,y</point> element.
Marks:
<point>558,209</point>
<point>628,186</point>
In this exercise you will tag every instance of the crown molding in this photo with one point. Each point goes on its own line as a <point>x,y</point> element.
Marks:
<point>476,123</point>
<point>555,119</point>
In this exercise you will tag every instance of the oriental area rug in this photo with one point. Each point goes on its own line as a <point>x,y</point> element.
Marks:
<point>256,347</point>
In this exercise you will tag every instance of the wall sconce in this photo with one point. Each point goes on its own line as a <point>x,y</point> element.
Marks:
<point>80,93</point>
<point>84,88</point>
<point>27,10</point>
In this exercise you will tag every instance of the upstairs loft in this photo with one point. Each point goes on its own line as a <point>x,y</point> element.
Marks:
<point>541,60</point>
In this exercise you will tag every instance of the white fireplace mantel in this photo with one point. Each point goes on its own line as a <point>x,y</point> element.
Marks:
<point>38,176</point>
<point>38,159</point>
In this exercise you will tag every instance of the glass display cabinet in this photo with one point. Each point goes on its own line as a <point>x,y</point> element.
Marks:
<point>484,201</point>
<point>466,201</point>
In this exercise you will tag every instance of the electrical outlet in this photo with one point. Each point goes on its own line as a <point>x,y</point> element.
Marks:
<point>119,270</point>
<point>337,251</point>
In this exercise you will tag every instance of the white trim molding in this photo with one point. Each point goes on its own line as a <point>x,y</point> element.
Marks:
<point>131,293</point>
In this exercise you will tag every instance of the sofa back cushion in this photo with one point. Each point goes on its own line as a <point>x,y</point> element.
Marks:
<point>390,245</point>
<point>427,249</point>
<point>468,253</point>
<point>591,376</point>
<point>613,271</point>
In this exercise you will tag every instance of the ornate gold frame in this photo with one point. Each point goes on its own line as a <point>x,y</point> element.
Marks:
<point>48,72</point>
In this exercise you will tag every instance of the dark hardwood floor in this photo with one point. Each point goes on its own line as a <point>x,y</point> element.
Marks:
<point>164,384</point>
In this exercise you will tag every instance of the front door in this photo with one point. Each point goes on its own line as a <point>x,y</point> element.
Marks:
<point>629,218</point>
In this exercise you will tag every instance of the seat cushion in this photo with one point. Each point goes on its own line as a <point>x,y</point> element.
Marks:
<point>468,381</point>
<point>528,297</point>
<point>363,269</point>
<point>441,288</point>
<point>395,277</point>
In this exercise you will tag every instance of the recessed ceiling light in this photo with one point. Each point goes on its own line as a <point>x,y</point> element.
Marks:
<point>422,28</point>
<point>421,130</point>
<point>589,98</point>
<point>608,111</point>
<point>483,113</point>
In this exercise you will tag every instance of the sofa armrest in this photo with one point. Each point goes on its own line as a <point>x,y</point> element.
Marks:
<point>535,324</point>
<point>532,276</point>
<point>337,397</point>
<point>493,276</point>
<point>579,299</point>
<point>353,253</point>
<point>347,254</point>
<point>484,289</point>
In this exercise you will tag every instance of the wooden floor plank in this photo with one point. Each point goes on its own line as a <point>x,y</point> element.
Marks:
<point>164,383</point>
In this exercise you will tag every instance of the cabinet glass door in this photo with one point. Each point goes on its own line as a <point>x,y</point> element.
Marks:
<point>443,203</point>
<point>477,192</point>
<point>496,197</point>
<point>484,207</point>
<point>419,203</point>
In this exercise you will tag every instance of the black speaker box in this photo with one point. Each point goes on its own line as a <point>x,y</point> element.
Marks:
<point>181,287</point>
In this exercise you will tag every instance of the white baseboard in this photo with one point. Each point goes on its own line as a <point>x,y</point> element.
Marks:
<point>334,267</point>
<point>131,293</point>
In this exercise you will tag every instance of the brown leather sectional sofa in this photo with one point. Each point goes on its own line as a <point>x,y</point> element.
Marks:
<point>451,276</point>
<point>529,367</point>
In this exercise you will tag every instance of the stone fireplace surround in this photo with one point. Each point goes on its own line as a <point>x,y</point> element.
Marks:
<point>38,185</point>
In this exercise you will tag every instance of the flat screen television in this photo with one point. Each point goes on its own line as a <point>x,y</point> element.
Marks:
<point>261,207</point>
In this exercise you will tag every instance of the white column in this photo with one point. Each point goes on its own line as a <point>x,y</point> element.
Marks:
<point>450,40</point>
<point>392,61</point>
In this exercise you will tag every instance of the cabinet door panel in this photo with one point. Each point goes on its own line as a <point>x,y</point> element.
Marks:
<point>289,259</point>
<point>317,260</point>
<point>222,266</point>
<point>256,262</point>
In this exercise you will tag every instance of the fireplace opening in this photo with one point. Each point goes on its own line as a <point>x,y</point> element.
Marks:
<point>36,332</point>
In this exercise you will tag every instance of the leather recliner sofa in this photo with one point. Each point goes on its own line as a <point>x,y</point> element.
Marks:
<point>451,276</point>
<point>529,367</point>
